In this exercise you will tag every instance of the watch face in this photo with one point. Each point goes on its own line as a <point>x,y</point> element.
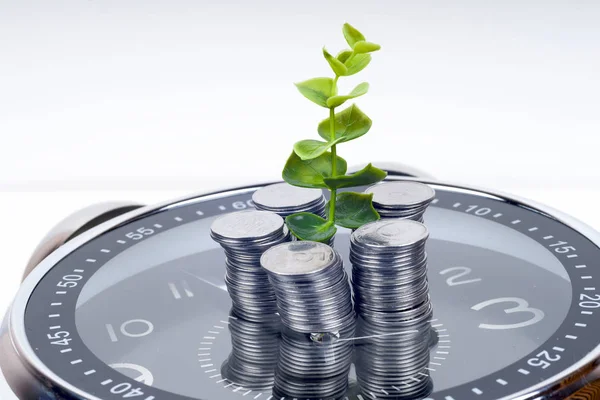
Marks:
<point>143,312</point>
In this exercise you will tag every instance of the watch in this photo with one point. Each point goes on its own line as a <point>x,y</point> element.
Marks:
<point>123,301</point>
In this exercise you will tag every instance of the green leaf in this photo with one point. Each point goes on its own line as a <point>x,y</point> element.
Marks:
<point>357,63</point>
<point>318,90</point>
<point>307,226</point>
<point>366,176</point>
<point>359,90</point>
<point>350,124</point>
<point>336,65</point>
<point>354,209</point>
<point>352,34</point>
<point>309,149</point>
<point>344,55</point>
<point>311,173</point>
<point>365,47</point>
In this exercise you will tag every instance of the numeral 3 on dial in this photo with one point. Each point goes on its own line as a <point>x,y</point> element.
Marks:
<point>522,307</point>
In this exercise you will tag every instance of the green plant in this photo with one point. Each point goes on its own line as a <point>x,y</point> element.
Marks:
<point>315,163</point>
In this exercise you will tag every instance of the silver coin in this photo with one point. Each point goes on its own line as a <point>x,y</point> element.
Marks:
<point>392,194</point>
<point>244,236</point>
<point>390,233</point>
<point>285,196</point>
<point>247,225</point>
<point>298,258</point>
<point>389,272</point>
<point>310,284</point>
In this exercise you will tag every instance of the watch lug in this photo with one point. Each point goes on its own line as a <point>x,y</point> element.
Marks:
<point>75,224</point>
<point>395,169</point>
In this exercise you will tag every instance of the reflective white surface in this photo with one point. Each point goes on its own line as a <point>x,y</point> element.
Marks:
<point>167,90</point>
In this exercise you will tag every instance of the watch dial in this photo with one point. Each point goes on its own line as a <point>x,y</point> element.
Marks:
<point>143,312</point>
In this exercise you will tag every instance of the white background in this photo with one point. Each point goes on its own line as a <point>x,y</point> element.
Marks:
<point>145,100</point>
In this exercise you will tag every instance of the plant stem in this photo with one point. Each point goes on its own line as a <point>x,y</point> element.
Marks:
<point>333,196</point>
<point>333,163</point>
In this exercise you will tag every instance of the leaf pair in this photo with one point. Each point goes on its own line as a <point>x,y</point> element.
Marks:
<point>318,90</point>
<point>359,90</point>
<point>366,176</point>
<point>312,173</point>
<point>323,91</point>
<point>347,62</point>
<point>352,211</point>
<point>357,40</point>
<point>317,173</point>
<point>307,226</point>
<point>336,65</point>
<point>350,124</point>
<point>353,62</point>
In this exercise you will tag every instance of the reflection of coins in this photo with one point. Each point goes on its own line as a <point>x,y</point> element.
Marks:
<point>246,225</point>
<point>309,369</point>
<point>404,199</point>
<point>254,353</point>
<point>392,362</point>
<point>285,199</point>
<point>296,258</point>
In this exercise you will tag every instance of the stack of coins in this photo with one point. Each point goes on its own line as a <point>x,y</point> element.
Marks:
<point>389,274</point>
<point>309,369</point>
<point>254,354</point>
<point>402,199</point>
<point>285,199</point>
<point>391,361</point>
<point>245,235</point>
<point>311,286</point>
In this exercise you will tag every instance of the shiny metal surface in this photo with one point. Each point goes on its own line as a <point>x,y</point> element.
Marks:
<point>298,258</point>
<point>389,234</point>
<point>75,224</point>
<point>29,378</point>
<point>254,354</point>
<point>310,369</point>
<point>389,272</point>
<point>406,200</point>
<point>311,286</point>
<point>388,357</point>
<point>245,236</point>
<point>285,199</point>
<point>389,194</point>
<point>246,226</point>
<point>12,367</point>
